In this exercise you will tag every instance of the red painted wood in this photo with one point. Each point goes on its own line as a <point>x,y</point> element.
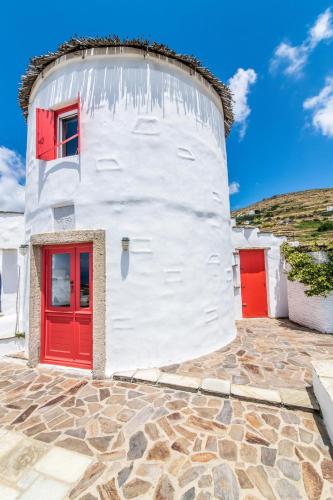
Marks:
<point>78,124</point>
<point>47,131</point>
<point>45,134</point>
<point>66,333</point>
<point>253,283</point>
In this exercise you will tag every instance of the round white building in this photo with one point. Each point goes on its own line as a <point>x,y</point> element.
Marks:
<point>127,207</point>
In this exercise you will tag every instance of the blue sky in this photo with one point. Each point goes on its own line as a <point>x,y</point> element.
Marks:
<point>278,55</point>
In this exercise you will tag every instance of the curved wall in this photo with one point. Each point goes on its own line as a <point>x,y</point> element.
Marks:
<point>153,168</point>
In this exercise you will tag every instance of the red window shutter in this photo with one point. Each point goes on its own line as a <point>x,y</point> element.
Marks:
<point>45,134</point>
<point>78,124</point>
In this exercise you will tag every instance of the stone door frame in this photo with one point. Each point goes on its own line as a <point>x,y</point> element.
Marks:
<point>97,238</point>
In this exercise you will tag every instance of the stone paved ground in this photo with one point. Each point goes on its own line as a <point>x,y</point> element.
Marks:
<point>267,353</point>
<point>139,441</point>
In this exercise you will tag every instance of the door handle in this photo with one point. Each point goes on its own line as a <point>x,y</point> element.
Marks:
<point>244,305</point>
<point>72,285</point>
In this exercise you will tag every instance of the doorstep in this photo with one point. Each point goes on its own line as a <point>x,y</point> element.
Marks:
<point>70,370</point>
<point>301,399</point>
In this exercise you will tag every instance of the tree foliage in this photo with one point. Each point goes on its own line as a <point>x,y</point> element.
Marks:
<point>318,277</point>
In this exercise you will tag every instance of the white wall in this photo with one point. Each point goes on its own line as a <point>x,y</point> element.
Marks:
<point>247,238</point>
<point>315,312</point>
<point>153,168</point>
<point>11,264</point>
<point>11,229</point>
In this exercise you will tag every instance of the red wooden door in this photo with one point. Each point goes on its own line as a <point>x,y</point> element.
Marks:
<point>253,283</point>
<point>67,305</point>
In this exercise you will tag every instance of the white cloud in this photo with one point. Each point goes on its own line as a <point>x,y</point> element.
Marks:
<point>240,85</point>
<point>323,28</point>
<point>11,174</point>
<point>322,108</point>
<point>293,58</point>
<point>234,188</point>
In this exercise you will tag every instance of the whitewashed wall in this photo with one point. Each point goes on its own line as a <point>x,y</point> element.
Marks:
<point>11,267</point>
<point>153,168</point>
<point>247,238</point>
<point>314,312</point>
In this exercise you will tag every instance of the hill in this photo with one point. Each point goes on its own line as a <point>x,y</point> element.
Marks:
<point>306,216</point>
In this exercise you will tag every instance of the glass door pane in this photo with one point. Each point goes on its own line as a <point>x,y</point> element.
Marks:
<point>84,279</point>
<point>60,280</point>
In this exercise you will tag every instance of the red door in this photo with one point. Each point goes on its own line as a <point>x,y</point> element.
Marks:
<point>253,283</point>
<point>67,305</point>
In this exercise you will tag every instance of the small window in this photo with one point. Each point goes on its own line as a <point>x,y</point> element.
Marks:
<point>67,128</point>
<point>58,132</point>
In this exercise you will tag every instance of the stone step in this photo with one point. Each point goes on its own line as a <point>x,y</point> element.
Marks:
<point>323,389</point>
<point>294,398</point>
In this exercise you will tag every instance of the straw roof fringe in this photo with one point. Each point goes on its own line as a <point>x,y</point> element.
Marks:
<point>75,44</point>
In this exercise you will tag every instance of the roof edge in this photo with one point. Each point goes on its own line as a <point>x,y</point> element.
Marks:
<point>39,63</point>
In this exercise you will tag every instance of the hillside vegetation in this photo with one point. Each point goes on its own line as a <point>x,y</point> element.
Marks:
<point>302,216</point>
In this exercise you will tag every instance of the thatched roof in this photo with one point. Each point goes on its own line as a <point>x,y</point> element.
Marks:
<point>39,63</point>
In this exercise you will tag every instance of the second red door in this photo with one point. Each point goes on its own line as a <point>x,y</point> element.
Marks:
<point>253,283</point>
<point>67,305</point>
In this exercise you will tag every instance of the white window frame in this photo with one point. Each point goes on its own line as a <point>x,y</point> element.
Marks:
<point>66,114</point>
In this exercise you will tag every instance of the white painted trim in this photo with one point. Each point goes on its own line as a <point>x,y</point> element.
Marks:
<point>60,118</point>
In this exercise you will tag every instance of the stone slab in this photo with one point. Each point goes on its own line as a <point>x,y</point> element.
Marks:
<point>63,464</point>
<point>298,398</point>
<point>126,375</point>
<point>8,493</point>
<point>45,487</point>
<point>179,381</point>
<point>216,386</point>
<point>8,441</point>
<point>323,368</point>
<point>148,375</point>
<point>255,393</point>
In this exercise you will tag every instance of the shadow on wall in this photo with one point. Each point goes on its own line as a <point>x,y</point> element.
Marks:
<point>9,271</point>
<point>280,292</point>
<point>124,264</point>
<point>143,86</point>
<point>43,174</point>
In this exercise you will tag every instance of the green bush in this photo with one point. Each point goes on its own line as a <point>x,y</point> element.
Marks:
<point>317,277</point>
<point>326,226</point>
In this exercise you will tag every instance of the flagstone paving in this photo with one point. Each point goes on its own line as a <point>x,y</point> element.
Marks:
<point>127,440</point>
<point>267,353</point>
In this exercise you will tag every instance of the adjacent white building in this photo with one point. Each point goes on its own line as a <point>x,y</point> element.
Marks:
<point>11,279</point>
<point>256,252</point>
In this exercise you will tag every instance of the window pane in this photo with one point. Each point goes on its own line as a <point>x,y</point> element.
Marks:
<point>61,286</point>
<point>69,128</point>
<point>84,280</point>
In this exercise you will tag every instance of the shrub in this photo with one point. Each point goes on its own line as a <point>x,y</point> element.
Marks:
<point>317,277</point>
<point>326,226</point>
